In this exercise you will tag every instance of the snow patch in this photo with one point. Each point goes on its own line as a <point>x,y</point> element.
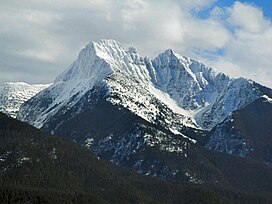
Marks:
<point>269,100</point>
<point>54,153</point>
<point>192,178</point>
<point>89,142</point>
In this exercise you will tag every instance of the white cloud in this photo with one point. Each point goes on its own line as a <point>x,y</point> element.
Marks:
<point>207,35</point>
<point>45,36</point>
<point>39,55</point>
<point>173,31</point>
<point>249,48</point>
<point>247,17</point>
<point>196,5</point>
<point>133,12</point>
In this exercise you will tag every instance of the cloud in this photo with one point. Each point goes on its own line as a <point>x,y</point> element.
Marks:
<point>39,39</point>
<point>248,49</point>
<point>196,5</point>
<point>248,18</point>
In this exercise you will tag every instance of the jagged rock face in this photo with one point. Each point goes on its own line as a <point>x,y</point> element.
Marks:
<point>182,78</point>
<point>246,132</point>
<point>13,95</point>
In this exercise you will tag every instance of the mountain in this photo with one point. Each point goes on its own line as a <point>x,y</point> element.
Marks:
<point>142,113</point>
<point>13,95</point>
<point>208,97</point>
<point>39,168</point>
<point>246,132</point>
<point>194,93</point>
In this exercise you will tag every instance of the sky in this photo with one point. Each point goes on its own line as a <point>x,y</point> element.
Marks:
<point>40,39</point>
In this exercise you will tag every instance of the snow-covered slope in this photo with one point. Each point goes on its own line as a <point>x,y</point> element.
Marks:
<point>193,93</point>
<point>13,95</point>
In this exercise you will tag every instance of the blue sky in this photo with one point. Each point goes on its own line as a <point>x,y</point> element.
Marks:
<point>39,40</point>
<point>265,5</point>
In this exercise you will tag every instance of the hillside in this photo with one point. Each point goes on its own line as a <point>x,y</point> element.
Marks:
<point>36,167</point>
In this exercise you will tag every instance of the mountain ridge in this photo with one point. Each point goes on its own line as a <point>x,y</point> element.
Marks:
<point>189,88</point>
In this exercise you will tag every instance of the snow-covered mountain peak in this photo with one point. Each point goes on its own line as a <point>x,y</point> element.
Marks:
<point>100,59</point>
<point>181,77</point>
<point>109,49</point>
<point>195,70</point>
<point>112,51</point>
<point>14,94</point>
<point>171,58</point>
<point>84,66</point>
<point>189,88</point>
